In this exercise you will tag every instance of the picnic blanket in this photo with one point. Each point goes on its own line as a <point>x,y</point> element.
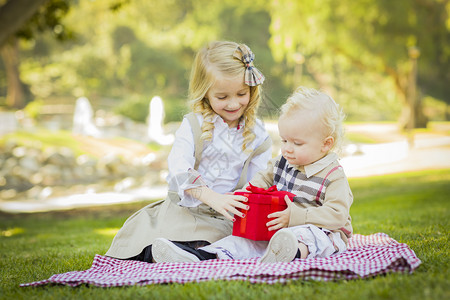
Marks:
<point>367,256</point>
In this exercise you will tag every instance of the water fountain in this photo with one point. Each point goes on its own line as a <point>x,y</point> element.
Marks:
<point>155,122</point>
<point>83,116</point>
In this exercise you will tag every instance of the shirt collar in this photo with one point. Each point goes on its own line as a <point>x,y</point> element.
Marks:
<point>317,166</point>
<point>217,120</point>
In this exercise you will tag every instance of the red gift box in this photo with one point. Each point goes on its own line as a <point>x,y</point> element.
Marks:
<point>262,202</point>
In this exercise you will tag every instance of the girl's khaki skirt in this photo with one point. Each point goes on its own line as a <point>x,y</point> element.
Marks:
<point>167,219</point>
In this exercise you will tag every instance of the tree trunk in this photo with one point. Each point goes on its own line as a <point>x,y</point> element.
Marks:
<point>447,112</point>
<point>412,115</point>
<point>14,13</point>
<point>417,118</point>
<point>15,94</point>
<point>420,120</point>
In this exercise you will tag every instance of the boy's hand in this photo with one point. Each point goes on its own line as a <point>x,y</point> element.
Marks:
<point>281,217</point>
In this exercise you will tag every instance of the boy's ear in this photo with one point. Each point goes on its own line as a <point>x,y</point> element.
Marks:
<point>328,143</point>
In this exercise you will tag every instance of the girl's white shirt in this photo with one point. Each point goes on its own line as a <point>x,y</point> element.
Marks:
<point>221,162</point>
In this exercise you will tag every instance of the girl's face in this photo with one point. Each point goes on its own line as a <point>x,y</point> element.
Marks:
<point>229,97</point>
<point>303,140</point>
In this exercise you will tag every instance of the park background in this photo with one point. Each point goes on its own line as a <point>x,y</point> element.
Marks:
<point>378,59</point>
<point>385,62</point>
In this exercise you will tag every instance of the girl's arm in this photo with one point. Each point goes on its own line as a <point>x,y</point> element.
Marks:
<point>181,157</point>
<point>223,204</point>
<point>188,183</point>
<point>181,162</point>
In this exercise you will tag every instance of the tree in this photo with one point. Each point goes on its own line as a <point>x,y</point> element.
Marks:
<point>14,14</point>
<point>23,19</point>
<point>342,38</point>
<point>15,97</point>
<point>145,49</point>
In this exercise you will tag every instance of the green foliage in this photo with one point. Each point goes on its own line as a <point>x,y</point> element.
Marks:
<point>175,109</point>
<point>34,109</point>
<point>435,109</point>
<point>410,207</point>
<point>122,35</point>
<point>356,50</point>
<point>135,109</point>
<point>49,17</point>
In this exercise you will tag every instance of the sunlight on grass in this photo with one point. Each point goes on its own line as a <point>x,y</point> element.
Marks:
<point>12,232</point>
<point>43,139</point>
<point>45,236</point>
<point>107,231</point>
<point>412,208</point>
<point>360,138</point>
<point>442,127</point>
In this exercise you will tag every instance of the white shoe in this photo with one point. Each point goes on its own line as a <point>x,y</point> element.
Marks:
<point>164,250</point>
<point>283,247</point>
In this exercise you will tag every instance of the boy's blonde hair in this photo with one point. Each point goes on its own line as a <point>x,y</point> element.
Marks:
<point>328,112</point>
<point>216,58</point>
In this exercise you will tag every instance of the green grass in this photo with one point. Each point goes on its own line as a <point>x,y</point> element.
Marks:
<point>360,138</point>
<point>413,208</point>
<point>442,127</point>
<point>43,139</point>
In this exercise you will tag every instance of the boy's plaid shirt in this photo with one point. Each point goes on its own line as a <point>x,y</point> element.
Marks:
<point>310,191</point>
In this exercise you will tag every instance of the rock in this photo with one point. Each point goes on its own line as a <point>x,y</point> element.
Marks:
<point>34,192</point>
<point>55,158</point>
<point>19,151</point>
<point>30,163</point>
<point>51,174</point>
<point>10,163</point>
<point>8,194</point>
<point>36,178</point>
<point>10,145</point>
<point>112,164</point>
<point>86,161</point>
<point>17,183</point>
<point>28,169</point>
<point>61,157</point>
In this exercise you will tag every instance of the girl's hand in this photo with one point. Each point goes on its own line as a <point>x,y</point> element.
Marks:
<point>226,204</point>
<point>241,191</point>
<point>281,217</point>
<point>223,204</point>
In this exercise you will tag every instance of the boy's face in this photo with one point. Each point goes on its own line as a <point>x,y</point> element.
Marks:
<point>229,97</point>
<point>303,140</point>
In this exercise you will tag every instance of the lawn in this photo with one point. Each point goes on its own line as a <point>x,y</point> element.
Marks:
<point>413,208</point>
<point>44,139</point>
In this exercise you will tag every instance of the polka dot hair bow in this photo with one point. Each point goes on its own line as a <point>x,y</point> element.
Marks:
<point>253,76</point>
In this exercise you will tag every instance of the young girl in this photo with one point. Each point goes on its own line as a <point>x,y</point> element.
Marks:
<point>317,223</point>
<point>218,147</point>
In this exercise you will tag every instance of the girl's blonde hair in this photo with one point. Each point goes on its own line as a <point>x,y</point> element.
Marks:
<point>329,113</point>
<point>215,58</point>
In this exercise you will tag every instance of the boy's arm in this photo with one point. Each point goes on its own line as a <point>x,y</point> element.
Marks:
<point>264,178</point>
<point>335,211</point>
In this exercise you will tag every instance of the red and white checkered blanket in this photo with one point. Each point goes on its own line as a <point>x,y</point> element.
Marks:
<point>367,256</point>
